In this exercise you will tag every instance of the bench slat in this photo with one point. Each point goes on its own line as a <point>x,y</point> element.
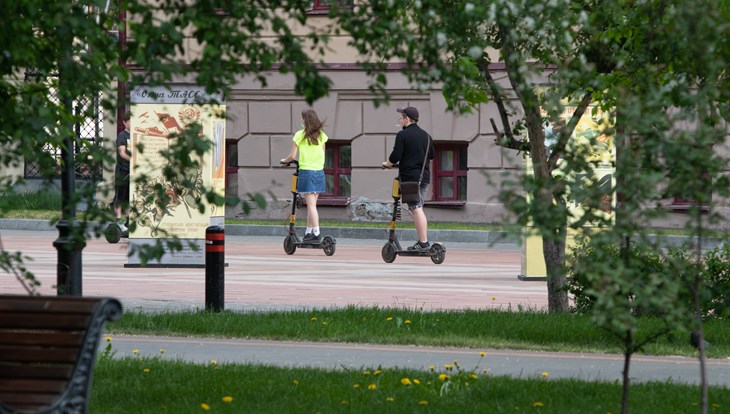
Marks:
<point>38,354</point>
<point>47,304</point>
<point>33,386</point>
<point>15,371</point>
<point>61,322</point>
<point>28,402</point>
<point>41,338</point>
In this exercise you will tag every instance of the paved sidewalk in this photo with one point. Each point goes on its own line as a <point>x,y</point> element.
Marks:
<point>260,276</point>
<point>520,364</point>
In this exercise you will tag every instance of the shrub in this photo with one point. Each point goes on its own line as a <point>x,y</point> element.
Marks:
<point>678,263</point>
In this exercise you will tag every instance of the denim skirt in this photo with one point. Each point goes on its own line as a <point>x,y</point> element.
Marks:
<point>310,181</point>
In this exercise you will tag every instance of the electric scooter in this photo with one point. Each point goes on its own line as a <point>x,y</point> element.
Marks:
<point>392,248</point>
<point>292,240</point>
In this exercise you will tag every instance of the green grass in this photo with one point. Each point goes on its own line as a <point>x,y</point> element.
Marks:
<point>155,385</point>
<point>41,205</point>
<point>472,329</point>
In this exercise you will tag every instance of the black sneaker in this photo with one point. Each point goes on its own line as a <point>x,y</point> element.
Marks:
<point>315,239</point>
<point>308,237</point>
<point>420,246</point>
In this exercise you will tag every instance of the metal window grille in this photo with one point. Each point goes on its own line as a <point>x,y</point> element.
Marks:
<point>88,132</point>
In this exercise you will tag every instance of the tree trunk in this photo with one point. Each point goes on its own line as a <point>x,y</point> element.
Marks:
<point>554,253</point>
<point>628,351</point>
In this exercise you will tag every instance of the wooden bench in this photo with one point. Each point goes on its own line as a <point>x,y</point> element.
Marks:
<point>48,350</point>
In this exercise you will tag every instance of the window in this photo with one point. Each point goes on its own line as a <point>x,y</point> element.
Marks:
<point>699,197</point>
<point>231,160</point>
<point>448,174</point>
<point>337,169</point>
<point>324,5</point>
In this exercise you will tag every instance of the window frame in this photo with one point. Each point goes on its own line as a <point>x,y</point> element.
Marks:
<point>319,8</point>
<point>437,173</point>
<point>336,171</point>
<point>231,169</point>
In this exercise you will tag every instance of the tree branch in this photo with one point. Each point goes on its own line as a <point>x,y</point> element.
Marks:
<point>566,132</point>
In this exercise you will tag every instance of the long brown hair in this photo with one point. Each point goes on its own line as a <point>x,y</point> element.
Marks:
<point>312,126</point>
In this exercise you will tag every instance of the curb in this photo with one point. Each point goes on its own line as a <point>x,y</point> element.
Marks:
<point>460,236</point>
<point>371,233</point>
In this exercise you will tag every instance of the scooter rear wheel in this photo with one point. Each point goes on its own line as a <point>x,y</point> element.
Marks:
<point>113,233</point>
<point>388,253</point>
<point>290,245</point>
<point>437,253</point>
<point>328,245</point>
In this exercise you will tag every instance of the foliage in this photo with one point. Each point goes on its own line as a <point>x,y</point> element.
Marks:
<point>659,67</point>
<point>78,50</point>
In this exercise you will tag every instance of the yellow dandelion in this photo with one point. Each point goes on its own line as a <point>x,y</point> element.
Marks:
<point>355,385</point>
<point>313,318</point>
<point>372,387</point>
<point>538,404</point>
<point>408,322</point>
<point>416,381</point>
<point>431,367</point>
<point>389,399</point>
<point>482,354</point>
<point>448,367</point>
<point>405,381</point>
<point>213,362</point>
<point>423,402</point>
<point>324,323</point>
<point>205,407</point>
<point>227,399</point>
<point>296,382</point>
<point>456,362</point>
<point>544,374</point>
<point>473,376</point>
<point>344,402</point>
<point>162,350</point>
<point>146,370</point>
<point>377,372</point>
<point>108,338</point>
<point>135,351</point>
<point>494,298</point>
<point>443,377</point>
<point>389,318</point>
<point>366,373</point>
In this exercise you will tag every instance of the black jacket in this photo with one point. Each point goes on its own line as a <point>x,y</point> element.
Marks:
<point>409,151</point>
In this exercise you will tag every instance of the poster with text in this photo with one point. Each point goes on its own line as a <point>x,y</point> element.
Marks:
<point>158,117</point>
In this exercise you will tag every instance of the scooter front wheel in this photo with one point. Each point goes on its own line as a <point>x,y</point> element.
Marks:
<point>329,245</point>
<point>388,252</point>
<point>113,233</point>
<point>290,245</point>
<point>437,253</point>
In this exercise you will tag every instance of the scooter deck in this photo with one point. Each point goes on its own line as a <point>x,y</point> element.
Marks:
<point>412,252</point>
<point>308,245</point>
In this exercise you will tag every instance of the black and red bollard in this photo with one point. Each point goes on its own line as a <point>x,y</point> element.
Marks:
<point>214,268</point>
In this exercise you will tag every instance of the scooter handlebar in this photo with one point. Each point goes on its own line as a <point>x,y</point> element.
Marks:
<point>286,164</point>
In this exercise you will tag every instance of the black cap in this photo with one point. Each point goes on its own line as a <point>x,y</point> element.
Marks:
<point>410,112</point>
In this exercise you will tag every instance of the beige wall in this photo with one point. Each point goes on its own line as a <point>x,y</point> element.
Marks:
<point>263,122</point>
